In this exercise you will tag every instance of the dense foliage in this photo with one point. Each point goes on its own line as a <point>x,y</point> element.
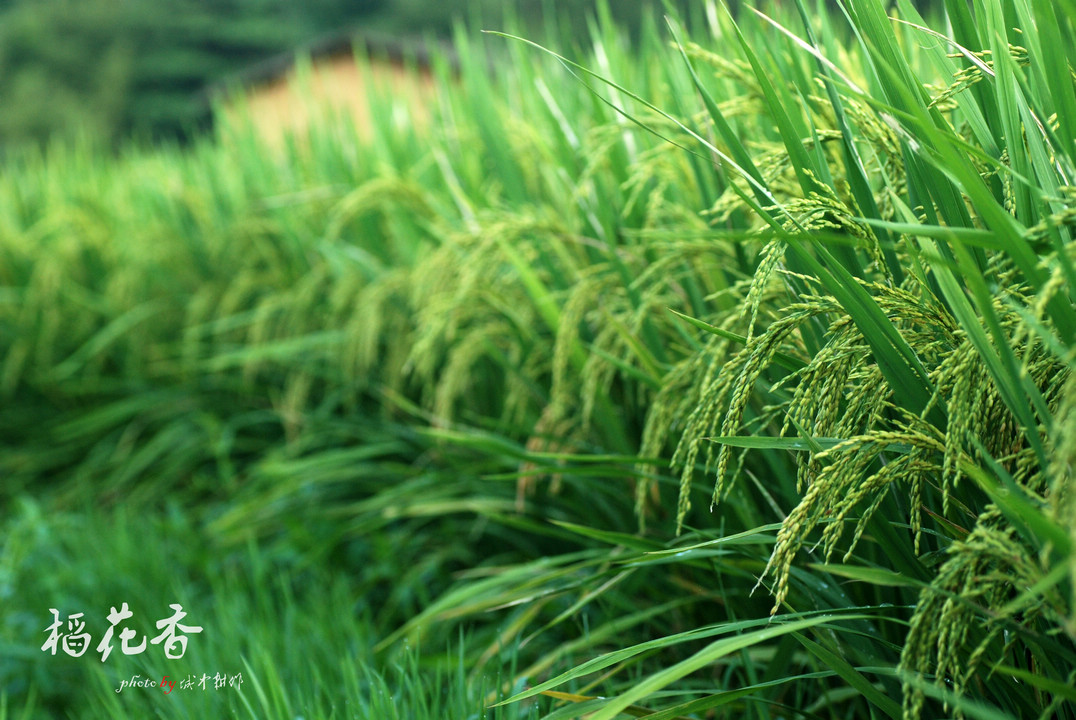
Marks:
<point>725,376</point>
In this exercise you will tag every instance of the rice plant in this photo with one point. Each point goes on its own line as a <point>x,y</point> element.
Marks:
<point>726,373</point>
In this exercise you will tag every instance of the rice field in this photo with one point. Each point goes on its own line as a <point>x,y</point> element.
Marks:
<point>720,373</point>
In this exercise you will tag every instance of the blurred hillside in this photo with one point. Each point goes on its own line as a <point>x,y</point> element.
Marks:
<point>115,69</point>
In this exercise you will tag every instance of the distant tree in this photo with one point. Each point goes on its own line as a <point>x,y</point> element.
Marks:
<point>63,66</point>
<point>116,68</point>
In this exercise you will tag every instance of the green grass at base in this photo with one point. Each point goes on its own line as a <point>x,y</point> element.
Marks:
<point>290,641</point>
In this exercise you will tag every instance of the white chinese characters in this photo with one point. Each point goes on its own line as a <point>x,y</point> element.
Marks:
<point>75,641</point>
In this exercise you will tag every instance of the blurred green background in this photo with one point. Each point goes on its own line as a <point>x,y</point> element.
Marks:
<point>115,69</point>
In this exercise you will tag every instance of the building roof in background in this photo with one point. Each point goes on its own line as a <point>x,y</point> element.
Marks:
<point>280,99</point>
<point>397,50</point>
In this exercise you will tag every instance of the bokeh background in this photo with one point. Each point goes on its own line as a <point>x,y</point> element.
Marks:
<point>116,69</point>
